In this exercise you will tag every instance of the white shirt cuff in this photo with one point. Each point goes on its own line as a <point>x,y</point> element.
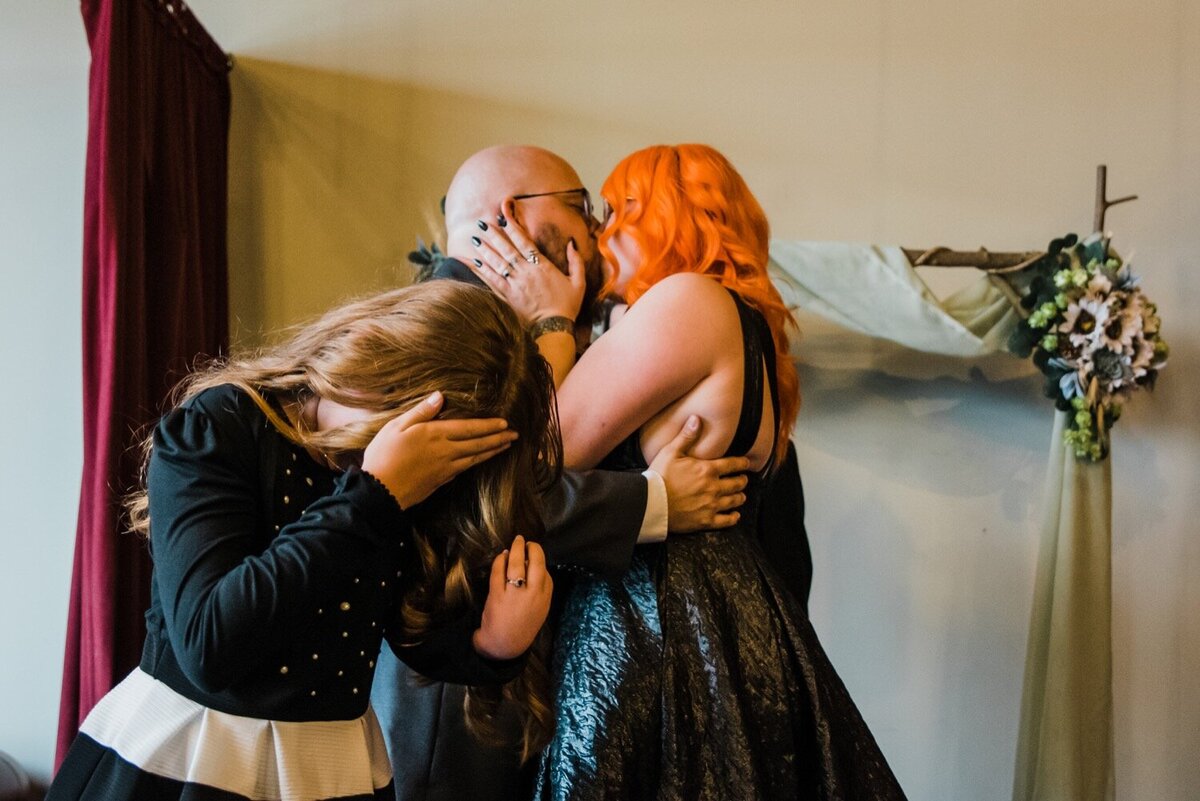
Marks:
<point>654,524</point>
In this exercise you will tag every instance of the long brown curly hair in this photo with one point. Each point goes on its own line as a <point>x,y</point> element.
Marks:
<point>385,353</point>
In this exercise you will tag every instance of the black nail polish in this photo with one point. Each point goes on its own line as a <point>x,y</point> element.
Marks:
<point>476,241</point>
<point>478,263</point>
<point>500,221</point>
<point>482,225</point>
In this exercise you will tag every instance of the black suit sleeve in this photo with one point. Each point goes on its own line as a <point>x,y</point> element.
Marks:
<point>781,528</point>
<point>593,519</point>
<point>448,655</point>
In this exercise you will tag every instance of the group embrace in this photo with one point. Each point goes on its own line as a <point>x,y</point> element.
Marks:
<point>538,512</point>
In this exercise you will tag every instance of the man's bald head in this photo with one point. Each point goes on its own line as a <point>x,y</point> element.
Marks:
<point>490,176</point>
<point>552,212</point>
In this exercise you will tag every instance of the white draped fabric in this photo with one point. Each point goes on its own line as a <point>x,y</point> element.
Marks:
<point>874,290</point>
<point>1064,749</point>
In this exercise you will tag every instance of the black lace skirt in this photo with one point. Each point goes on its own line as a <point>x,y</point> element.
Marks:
<point>698,677</point>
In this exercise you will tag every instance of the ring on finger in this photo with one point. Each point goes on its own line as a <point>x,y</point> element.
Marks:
<point>532,257</point>
<point>517,582</point>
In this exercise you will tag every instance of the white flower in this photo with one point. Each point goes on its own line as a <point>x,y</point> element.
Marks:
<point>1099,286</point>
<point>1149,313</point>
<point>1118,332</point>
<point>1143,356</point>
<point>1083,318</point>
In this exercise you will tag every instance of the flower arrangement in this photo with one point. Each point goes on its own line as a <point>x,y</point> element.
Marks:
<point>1092,333</point>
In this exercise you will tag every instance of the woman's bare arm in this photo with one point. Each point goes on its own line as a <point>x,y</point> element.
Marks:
<point>668,343</point>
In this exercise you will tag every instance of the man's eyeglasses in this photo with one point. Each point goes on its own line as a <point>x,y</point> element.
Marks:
<point>581,191</point>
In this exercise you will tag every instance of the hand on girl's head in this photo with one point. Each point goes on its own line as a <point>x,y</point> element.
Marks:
<point>518,601</point>
<point>413,454</point>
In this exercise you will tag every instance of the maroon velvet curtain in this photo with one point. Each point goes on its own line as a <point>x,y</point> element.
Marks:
<point>154,299</point>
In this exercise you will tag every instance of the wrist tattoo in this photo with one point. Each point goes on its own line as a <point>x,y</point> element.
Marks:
<point>552,324</point>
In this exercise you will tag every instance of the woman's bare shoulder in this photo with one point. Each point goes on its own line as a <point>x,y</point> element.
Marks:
<point>687,298</point>
<point>689,285</point>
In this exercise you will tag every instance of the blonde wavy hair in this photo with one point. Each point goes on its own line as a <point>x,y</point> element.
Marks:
<point>385,353</point>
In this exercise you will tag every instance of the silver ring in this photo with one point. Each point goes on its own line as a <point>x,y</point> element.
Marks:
<point>506,274</point>
<point>520,582</point>
<point>532,258</point>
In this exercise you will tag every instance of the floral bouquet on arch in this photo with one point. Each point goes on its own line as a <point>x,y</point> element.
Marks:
<point>1092,333</point>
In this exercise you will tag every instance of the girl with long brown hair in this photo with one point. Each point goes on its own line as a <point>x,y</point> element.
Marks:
<point>302,505</point>
<point>698,675</point>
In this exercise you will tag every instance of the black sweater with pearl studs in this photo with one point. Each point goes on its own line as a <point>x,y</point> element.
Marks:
<point>276,580</point>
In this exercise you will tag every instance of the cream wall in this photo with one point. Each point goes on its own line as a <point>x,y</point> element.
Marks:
<point>918,123</point>
<point>43,132</point>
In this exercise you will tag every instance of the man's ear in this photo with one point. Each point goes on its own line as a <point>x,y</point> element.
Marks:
<point>510,210</point>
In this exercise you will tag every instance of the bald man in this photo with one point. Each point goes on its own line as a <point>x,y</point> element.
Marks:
<point>594,519</point>
<point>549,201</point>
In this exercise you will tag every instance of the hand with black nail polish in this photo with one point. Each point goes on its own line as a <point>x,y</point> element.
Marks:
<point>514,266</point>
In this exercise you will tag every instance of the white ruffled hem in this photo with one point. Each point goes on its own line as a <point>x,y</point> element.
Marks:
<point>152,726</point>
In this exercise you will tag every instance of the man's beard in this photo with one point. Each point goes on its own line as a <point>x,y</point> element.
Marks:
<point>553,245</point>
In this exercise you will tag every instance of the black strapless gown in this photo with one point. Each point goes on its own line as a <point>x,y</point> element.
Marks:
<point>697,675</point>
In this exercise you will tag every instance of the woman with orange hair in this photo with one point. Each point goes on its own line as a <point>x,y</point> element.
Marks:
<point>697,676</point>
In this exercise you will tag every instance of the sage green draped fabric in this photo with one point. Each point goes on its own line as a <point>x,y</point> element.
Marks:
<point>1064,746</point>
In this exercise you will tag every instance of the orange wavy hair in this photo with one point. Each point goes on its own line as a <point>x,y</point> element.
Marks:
<point>694,213</point>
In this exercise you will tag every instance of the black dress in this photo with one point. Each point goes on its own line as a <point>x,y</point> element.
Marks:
<point>275,581</point>
<point>592,520</point>
<point>698,675</point>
